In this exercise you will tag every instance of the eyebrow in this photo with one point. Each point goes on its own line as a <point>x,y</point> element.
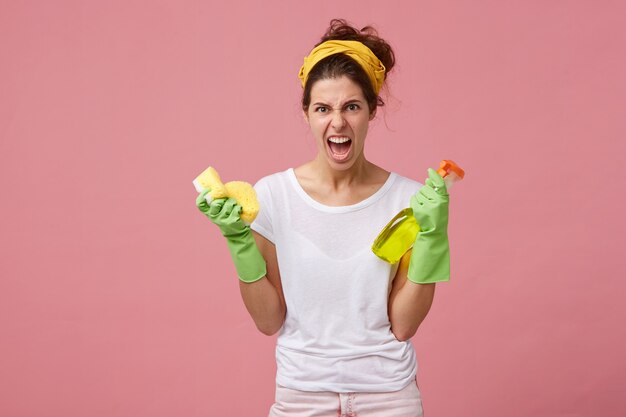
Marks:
<point>355,100</point>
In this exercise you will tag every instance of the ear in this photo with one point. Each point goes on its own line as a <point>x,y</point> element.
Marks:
<point>372,115</point>
<point>305,116</point>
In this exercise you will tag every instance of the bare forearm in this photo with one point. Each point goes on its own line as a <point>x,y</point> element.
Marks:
<point>410,306</point>
<point>264,305</point>
<point>264,298</point>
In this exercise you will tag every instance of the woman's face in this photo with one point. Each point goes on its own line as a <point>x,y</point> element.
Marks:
<point>339,118</point>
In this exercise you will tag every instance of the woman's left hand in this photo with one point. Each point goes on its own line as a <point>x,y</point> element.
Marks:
<point>430,260</point>
<point>430,204</point>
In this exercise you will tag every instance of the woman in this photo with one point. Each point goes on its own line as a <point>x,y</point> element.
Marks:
<point>305,266</point>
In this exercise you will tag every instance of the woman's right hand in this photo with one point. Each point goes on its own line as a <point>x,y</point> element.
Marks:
<point>224,212</point>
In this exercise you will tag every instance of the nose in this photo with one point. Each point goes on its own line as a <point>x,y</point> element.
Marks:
<point>338,121</point>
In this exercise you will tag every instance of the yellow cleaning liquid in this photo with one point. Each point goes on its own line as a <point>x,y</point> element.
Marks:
<point>400,233</point>
<point>403,228</point>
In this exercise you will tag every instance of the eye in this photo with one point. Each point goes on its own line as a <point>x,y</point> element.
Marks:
<point>321,109</point>
<point>353,107</point>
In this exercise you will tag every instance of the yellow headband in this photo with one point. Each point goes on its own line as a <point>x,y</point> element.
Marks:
<point>374,69</point>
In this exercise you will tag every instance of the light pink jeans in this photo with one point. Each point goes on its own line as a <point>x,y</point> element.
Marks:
<point>291,403</point>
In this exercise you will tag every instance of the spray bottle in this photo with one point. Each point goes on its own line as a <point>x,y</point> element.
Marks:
<point>400,233</point>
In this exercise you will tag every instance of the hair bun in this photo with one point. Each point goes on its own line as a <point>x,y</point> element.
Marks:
<point>340,29</point>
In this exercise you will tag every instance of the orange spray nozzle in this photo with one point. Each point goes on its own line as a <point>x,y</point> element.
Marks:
<point>446,166</point>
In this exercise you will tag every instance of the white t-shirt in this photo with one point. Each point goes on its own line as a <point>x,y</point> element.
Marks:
<point>337,335</point>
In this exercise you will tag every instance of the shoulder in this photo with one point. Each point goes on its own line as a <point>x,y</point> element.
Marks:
<point>270,186</point>
<point>405,184</point>
<point>271,179</point>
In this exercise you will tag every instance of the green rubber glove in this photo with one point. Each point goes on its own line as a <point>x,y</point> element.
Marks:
<point>224,213</point>
<point>430,260</point>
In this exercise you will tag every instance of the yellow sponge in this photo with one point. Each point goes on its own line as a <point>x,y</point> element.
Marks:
<point>241,191</point>
<point>246,198</point>
<point>209,178</point>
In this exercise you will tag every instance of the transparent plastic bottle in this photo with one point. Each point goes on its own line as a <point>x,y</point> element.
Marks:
<point>399,234</point>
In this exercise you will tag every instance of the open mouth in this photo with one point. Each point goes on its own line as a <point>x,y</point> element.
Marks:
<point>339,147</point>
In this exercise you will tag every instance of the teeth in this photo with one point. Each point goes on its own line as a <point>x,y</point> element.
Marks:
<point>338,140</point>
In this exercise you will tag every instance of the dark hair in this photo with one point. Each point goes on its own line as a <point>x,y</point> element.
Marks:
<point>338,65</point>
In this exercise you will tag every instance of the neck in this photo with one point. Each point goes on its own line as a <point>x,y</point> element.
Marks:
<point>338,179</point>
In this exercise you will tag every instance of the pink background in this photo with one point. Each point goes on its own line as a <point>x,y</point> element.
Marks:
<point>117,298</point>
